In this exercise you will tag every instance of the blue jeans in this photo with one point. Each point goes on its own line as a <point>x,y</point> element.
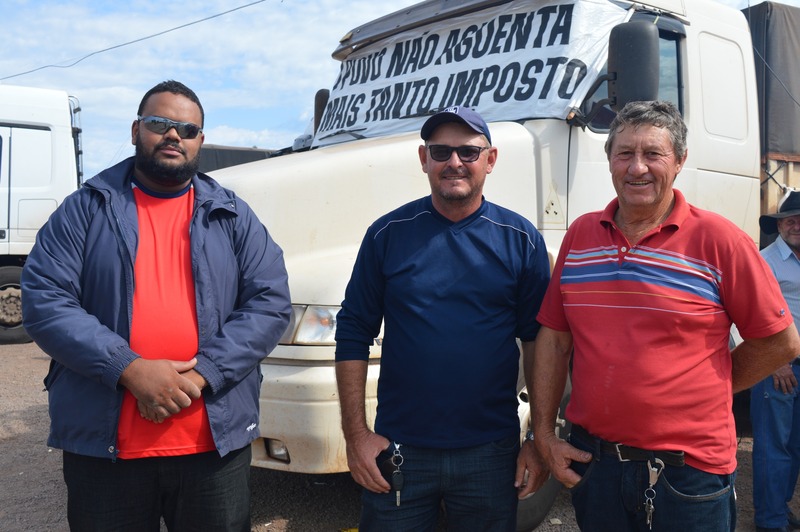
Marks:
<point>200,492</point>
<point>611,497</point>
<point>776,450</point>
<point>476,485</point>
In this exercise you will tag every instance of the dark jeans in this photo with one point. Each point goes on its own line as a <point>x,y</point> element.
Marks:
<point>200,492</point>
<point>610,497</point>
<point>476,485</point>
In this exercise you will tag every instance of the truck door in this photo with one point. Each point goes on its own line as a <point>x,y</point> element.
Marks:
<point>27,198</point>
<point>5,140</point>
<point>29,186</point>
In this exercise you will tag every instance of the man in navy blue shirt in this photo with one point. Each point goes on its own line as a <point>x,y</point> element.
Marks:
<point>455,280</point>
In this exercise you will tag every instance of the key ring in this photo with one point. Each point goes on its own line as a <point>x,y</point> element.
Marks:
<point>397,458</point>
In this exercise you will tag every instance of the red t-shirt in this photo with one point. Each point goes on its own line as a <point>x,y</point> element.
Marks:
<point>650,326</point>
<point>164,325</point>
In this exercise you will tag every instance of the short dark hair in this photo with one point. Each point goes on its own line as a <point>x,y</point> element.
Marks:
<point>659,113</point>
<point>175,87</point>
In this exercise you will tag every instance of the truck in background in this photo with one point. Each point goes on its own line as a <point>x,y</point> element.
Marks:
<point>216,156</point>
<point>775,31</point>
<point>40,164</point>
<point>548,75</point>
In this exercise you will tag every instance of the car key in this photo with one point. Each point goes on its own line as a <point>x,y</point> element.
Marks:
<point>397,484</point>
<point>397,475</point>
<point>650,493</point>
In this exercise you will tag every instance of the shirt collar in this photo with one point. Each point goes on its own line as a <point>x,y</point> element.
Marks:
<point>679,213</point>
<point>784,249</point>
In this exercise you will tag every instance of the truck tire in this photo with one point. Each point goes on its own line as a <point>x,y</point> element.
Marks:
<point>11,330</point>
<point>533,510</point>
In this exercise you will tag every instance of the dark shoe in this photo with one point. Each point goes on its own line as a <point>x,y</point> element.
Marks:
<point>780,529</point>
<point>794,522</point>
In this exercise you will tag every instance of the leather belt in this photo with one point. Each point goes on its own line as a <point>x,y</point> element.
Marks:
<point>626,453</point>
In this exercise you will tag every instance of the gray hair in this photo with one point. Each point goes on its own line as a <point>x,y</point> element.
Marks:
<point>658,113</point>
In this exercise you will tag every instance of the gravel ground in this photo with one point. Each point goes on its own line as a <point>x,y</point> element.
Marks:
<point>33,496</point>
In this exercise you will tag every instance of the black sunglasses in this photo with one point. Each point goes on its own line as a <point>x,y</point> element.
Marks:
<point>160,125</point>
<point>467,154</point>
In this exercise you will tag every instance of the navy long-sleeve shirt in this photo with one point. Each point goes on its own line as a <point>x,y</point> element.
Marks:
<point>454,298</point>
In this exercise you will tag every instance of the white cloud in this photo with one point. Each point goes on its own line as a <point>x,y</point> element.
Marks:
<point>256,70</point>
<point>231,136</point>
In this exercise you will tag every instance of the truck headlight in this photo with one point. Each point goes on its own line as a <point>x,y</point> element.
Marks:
<point>311,325</point>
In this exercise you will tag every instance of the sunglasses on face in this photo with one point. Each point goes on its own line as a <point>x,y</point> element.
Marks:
<point>160,125</point>
<point>467,154</point>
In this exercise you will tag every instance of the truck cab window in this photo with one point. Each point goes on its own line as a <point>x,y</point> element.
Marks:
<point>670,81</point>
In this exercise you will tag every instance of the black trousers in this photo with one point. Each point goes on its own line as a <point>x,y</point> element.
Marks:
<point>192,493</point>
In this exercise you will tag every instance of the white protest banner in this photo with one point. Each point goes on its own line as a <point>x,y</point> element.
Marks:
<point>523,59</point>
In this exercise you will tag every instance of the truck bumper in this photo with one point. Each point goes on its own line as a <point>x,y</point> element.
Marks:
<point>299,405</point>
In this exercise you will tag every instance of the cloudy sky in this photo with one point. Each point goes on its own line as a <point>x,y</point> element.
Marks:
<point>254,64</point>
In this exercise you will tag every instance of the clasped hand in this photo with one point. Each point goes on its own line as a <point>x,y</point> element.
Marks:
<point>162,388</point>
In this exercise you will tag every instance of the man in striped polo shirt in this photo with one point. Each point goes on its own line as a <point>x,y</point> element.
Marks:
<point>643,297</point>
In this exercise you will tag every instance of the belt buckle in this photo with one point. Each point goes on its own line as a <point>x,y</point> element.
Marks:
<point>618,447</point>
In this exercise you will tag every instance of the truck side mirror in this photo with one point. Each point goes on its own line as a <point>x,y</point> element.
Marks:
<point>320,102</point>
<point>633,63</point>
<point>632,72</point>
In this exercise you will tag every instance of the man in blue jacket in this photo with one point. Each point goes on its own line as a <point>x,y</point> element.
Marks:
<point>456,280</point>
<point>157,293</point>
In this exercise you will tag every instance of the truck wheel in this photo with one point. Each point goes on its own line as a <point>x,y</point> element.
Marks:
<point>11,330</point>
<point>532,511</point>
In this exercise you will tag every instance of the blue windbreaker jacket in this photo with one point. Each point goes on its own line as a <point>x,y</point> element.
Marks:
<point>78,295</point>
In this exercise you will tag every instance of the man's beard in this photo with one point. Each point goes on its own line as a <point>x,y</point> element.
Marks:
<point>458,196</point>
<point>164,174</point>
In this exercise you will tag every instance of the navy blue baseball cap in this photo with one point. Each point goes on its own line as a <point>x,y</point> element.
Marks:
<point>457,113</point>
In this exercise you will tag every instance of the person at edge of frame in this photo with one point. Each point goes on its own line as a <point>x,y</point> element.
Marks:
<point>775,401</point>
